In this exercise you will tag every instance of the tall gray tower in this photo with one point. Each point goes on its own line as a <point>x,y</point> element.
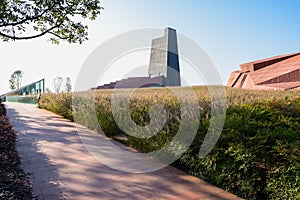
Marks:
<point>164,59</point>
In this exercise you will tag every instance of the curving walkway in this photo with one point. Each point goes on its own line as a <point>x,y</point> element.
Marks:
<point>61,168</point>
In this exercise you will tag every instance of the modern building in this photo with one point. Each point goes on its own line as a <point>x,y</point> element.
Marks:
<point>34,88</point>
<point>164,59</point>
<point>135,82</point>
<point>163,66</point>
<point>275,73</point>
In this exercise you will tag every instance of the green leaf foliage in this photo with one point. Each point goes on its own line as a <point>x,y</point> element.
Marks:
<point>62,19</point>
<point>258,153</point>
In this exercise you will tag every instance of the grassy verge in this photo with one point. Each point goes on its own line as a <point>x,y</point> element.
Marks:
<point>256,157</point>
<point>14,184</point>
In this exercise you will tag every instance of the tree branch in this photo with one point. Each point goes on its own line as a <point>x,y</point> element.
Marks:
<point>60,37</point>
<point>30,37</point>
<point>55,17</point>
<point>28,18</point>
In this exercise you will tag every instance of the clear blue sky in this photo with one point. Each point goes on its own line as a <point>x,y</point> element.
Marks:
<point>231,31</point>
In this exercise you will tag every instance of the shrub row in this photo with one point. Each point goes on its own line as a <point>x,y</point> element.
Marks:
<point>60,104</point>
<point>14,184</point>
<point>256,157</point>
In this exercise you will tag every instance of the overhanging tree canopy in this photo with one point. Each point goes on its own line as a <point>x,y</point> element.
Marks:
<point>62,19</point>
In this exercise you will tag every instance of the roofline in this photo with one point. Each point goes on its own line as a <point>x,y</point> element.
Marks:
<point>22,87</point>
<point>271,58</point>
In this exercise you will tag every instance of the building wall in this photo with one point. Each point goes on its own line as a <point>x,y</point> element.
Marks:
<point>164,60</point>
<point>276,73</point>
<point>234,78</point>
<point>173,71</point>
<point>135,82</point>
<point>288,77</point>
<point>158,57</point>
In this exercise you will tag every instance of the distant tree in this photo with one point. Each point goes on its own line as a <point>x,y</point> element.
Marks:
<point>62,19</point>
<point>68,85</point>
<point>57,84</point>
<point>12,84</point>
<point>15,80</point>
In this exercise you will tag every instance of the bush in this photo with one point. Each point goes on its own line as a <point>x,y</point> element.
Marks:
<point>257,155</point>
<point>60,104</point>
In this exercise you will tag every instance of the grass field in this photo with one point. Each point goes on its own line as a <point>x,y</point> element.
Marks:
<point>256,157</point>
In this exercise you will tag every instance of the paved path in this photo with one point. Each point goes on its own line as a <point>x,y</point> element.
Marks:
<point>61,168</point>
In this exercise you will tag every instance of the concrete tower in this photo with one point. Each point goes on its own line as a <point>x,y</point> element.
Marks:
<point>164,59</point>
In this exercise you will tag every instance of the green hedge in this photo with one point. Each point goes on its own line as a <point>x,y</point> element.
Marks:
<point>22,99</point>
<point>60,104</point>
<point>256,157</point>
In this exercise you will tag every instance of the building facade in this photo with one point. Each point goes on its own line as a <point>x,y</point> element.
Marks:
<point>164,60</point>
<point>275,73</point>
<point>163,66</point>
<point>26,93</point>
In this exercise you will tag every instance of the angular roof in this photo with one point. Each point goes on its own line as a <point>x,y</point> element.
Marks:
<point>275,70</point>
<point>259,64</point>
<point>278,72</point>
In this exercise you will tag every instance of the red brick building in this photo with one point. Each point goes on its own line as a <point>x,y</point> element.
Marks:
<point>275,73</point>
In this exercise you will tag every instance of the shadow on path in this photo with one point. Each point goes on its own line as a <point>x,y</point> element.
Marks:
<point>42,173</point>
<point>61,168</point>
